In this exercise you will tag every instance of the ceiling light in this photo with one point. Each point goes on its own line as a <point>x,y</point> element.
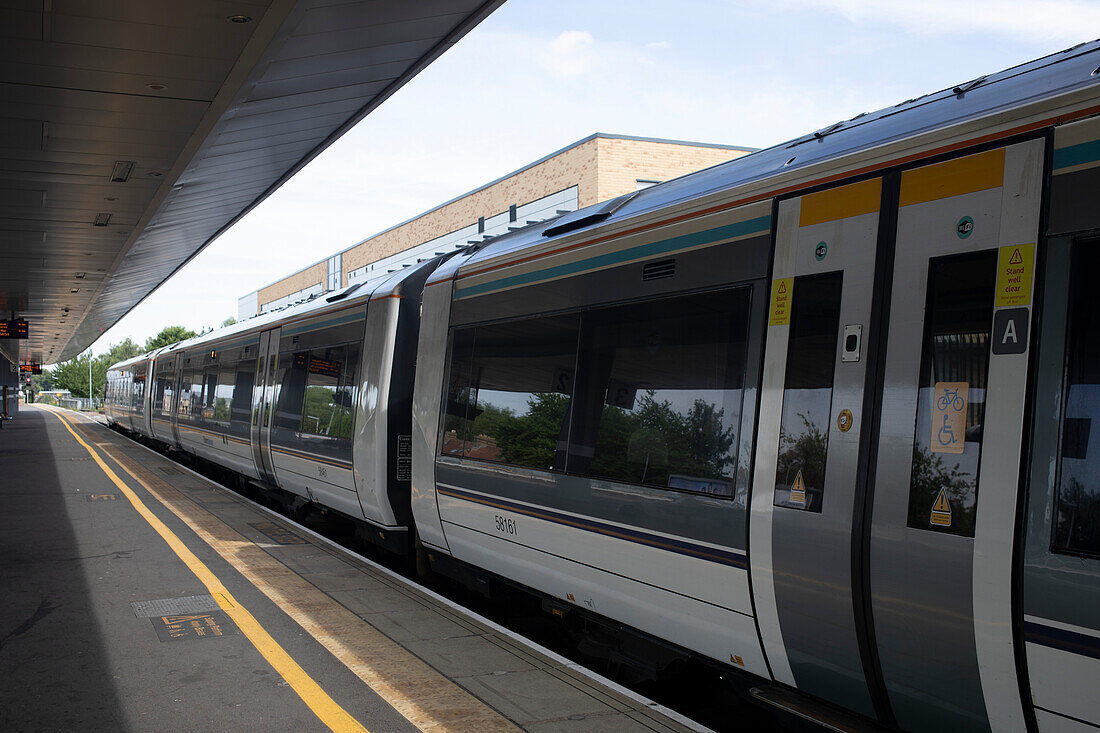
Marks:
<point>156,86</point>
<point>110,198</point>
<point>73,290</point>
<point>155,174</point>
<point>121,172</point>
<point>101,220</point>
<point>79,275</point>
<point>239,19</point>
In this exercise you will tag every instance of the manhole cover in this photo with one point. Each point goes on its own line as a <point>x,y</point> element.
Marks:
<point>170,606</point>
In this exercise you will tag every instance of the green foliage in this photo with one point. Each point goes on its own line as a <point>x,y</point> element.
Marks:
<point>929,476</point>
<point>167,336</point>
<point>229,322</point>
<point>322,416</point>
<point>528,440</point>
<point>655,441</point>
<point>645,445</point>
<point>803,452</point>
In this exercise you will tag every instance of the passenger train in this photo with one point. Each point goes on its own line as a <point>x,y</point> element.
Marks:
<point>821,415</point>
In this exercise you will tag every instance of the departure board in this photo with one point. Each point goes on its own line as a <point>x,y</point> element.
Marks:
<point>16,329</point>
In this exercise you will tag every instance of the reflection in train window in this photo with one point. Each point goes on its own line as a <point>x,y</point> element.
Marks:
<point>943,487</point>
<point>241,407</point>
<point>457,399</point>
<point>1077,514</point>
<point>661,384</point>
<point>808,392</point>
<point>516,406</point>
<point>328,406</point>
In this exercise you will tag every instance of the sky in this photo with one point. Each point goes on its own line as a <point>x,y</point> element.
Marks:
<point>538,75</point>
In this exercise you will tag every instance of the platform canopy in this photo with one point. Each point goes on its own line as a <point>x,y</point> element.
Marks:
<point>134,132</point>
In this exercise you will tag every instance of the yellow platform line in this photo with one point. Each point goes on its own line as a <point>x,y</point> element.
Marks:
<point>427,699</point>
<point>324,707</point>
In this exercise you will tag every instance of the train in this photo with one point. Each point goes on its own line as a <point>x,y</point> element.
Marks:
<point>820,415</point>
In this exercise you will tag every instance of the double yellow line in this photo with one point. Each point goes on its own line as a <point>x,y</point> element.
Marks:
<point>324,707</point>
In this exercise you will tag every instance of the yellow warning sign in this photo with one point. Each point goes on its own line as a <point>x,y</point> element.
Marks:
<point>941,511</point>
<point>949,417</point>
<point>1014,268</point>
<point>782,292</point>
<point>798,490</point>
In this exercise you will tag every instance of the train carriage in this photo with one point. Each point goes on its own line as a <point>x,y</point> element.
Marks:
<point>820,415</point>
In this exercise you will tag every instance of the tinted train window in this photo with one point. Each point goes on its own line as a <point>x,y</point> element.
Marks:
<point>328,406</point>
<point>223,393</point>
<point>514,403</point>
<point>456,404</point>
<point>1077,512</point>
<point>659,392</point>
<point>244,377</point>
<point>943,487</point>
<point>808,392</point>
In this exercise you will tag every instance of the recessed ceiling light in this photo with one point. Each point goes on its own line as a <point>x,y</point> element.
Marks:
<point>121,171</point>
<point>110,198</point>
<point>239,19</point>
<point>73,290</point>
<point>79,275</point>
<point>155,174</point>
<point>156,86</point>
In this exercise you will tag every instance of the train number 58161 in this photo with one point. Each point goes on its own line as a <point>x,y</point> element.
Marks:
<point>505,525</point>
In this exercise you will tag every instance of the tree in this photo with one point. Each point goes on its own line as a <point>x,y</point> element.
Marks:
<point>73,375</point>
<point>168,335</point>
<point>228,322</point>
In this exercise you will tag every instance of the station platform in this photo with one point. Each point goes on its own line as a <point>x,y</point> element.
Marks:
<point>141,596</point>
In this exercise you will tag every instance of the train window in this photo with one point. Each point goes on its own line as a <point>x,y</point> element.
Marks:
<point>223,393</point>
<point>659,392</point>
<point>328,406</point>
<point>808,392</point>
<point>1077,511</point>
<point>209,394</point>
<point>943,486</point>
<point>241,407</point>
<point>516,407</point>
<point>458,393</point>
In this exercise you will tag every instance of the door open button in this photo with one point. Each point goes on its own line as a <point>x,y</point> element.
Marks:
<point>853,336</point>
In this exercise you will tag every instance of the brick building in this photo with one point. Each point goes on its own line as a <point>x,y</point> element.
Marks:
<point>595,169</point>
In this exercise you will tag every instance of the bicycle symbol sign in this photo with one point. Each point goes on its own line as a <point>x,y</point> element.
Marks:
<point>949,417</point>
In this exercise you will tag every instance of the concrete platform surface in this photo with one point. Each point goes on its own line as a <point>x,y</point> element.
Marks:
<point>140,596</point>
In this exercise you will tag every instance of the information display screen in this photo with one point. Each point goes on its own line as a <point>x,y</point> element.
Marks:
<point>16,329</point>
<point>30,368</point>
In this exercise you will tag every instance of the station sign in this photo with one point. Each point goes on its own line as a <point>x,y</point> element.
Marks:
<point>30,368</point>
<point>16,329</point>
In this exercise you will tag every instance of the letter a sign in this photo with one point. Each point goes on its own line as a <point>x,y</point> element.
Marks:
<point>1010,330</point>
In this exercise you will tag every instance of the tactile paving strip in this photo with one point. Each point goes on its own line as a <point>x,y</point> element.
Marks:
<point>174,606</point>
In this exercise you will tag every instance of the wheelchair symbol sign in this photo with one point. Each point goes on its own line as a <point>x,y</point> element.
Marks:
<point>949,417</point>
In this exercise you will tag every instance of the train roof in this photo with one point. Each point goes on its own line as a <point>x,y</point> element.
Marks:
<point>1062,73</point>
<point>351,295</point>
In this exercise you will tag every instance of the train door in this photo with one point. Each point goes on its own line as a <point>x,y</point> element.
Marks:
<point>148,391</point>
<point>811,422</point>
<point>176,378</point>
<point>947,462</point>
<point>262,398</point>
<point>885,498</point>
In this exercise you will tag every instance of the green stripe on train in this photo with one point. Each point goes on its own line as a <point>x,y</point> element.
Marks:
<point>759,225</point>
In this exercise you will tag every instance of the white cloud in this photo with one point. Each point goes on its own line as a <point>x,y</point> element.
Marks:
<point>659,45</point>
<point>570,54</point>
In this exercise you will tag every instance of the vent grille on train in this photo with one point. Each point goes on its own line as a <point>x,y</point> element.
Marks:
<point>658,270</point>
